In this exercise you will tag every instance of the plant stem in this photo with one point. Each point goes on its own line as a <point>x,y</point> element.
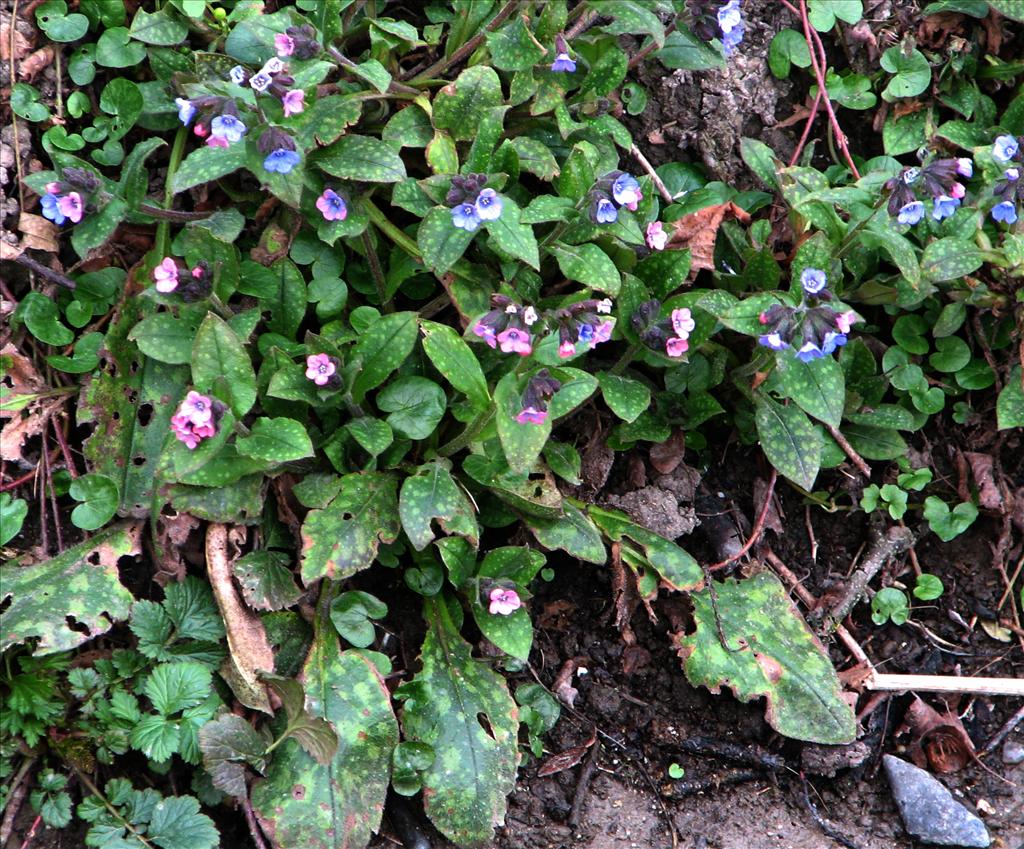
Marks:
<point>472,431</point>
<point>164,227</point>
<point>382,223</point>
<point>348,64</point>
<point>467,49</point>
<point>114,812</point>
<point>625,359</point>
<point>377,273</point>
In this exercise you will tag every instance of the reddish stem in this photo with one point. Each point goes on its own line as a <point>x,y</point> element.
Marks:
<point>758,526</point>
<point>807,130</point>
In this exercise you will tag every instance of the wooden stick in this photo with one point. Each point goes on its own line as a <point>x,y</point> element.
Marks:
<point>890,682</point>
<point>658,182</point>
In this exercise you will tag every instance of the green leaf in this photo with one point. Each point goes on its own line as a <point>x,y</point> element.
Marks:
<point>606,74</point>
<point>440,241</point>
<point>352,614</point>
<point>228,743</point>
<point>460,106</point>
<point>79,587</point>
<point>415,404</point>
<point>382,348</point>
<point>513,48</point>
<point>220,364</point>
<point>1010,403</point>
<point>115,49</point>
<point>912,72</point>
<point>535,158</point>
<point>928,587</point>
<point>905,134</point>
<point>96,229</point>
<point>342,538</point>
<point>625,397</point>
<point>277,440</point>
<point>442,157</point>
<point>514,238</point>
<point>373,435</point>
<point>950,259</point>
<point>888,604</point>
<point>574,533</point>
<point>475,766</point>
<point>900,251</point>
<point>165,337</point>
<point>522,443</point>
<point>788,47</point>
<point>86,356</point>
<point>374,73</point>
<point>12,515</point>
<point>875,443</point>
<point>684,50</point>
<point>42,317</point>
<point>303,803</point>
<point>823,13</point>
<point>99,497</point>
<point>176,823</point>
<point>952,354</point>
<point>174,687</point>
<point>266,580</point>
<point>790,442</point>
<point>313,733</point>
<point>947,523</point>
<point>206,164</point>
<point>430,494</point>
<point>160,28</point>
<point>453,357</point>
<point>760,159</point>
<point>818,386</point>
<point>672,563</point>
<point>631,16</point>
<point>54,20</point>
<point>589,265</point>
<point>361,158</point>
<point>771,653</point>
<point>512,633</point>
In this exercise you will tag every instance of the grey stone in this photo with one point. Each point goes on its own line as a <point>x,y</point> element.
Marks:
<point>1013,753</point>
<point>928,809</point>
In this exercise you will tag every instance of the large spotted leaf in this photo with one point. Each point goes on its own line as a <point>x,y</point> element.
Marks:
<point>772,653</point>
<point>342,538</point>
<point>302,803</point>
<point>462,708</point>
<point>70,599</point>
<point>430,494</point>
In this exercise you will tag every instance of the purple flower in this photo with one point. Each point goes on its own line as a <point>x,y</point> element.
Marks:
<point>657,238</point>
<point>228,127</point>
<point>488,205</point>
<point>585,334</point>
<point>832,341</point>
<point>1005,148</point>
<point>531,415</point>
<point>626,190</point>
<point>71,206</point>
<point>683,323</point>
<point>281,160</point>
<point>238,75</point>
<point>773,341</point>
<point>332,206</point>
<point>165,275</point>
<point>320,368</point>
<point>294,102</point>
<point>602,333</point>
<point>911,213</point>
<point>1005,211</point>
<point>965,167</point>
<point>563,64</point>
<point>504,602</point>
<point>730,17</point>
<point>466,217</point>
<point>189,433</point>
<point>260,81</point>
<point>485,332</point>
<point>944,206</point>
<point>813,280</point>
<point>198,409</point>
<point>51,208</point>
<point>604,211</point>
<point>676,347</point>
<point>284,44</point>
<point>186,110</point>
<point>514,340</point>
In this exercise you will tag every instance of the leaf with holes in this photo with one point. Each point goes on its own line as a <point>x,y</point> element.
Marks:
<point>462,709</point>
<point>789,440</point>
<point>70,599</point>
<point>771,654</point>
<point>342,538</point>
<point>432,494</point>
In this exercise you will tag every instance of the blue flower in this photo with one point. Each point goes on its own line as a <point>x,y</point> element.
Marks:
<point>605,211</point>
<point>186,110</point>
<point>626,190</point>
<point>731,40</point>
<point>832,341</point>
<point>51,209</point>
<point>730,17</point>
<point>809,352</point>
<point>488,205</point>
<point>773,341</point>
<point>281,160</point>
<point>1011,175</point>
<point>564,63</point>
<point>964,167</point>
<point>1005,211</point>
<point>586,333</point>
<point>1005,148</point>
<point>813,280</point>
<point>228,127</point>
<point>944,206</point>
<point>911,213</point>
<point>465,217</point>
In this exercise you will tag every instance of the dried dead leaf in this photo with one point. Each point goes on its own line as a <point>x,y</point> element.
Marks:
<point>42,58</point>
<point>666,456</point>
<point>981,465</point>
<point>938,740</point>
<point>19,374</point>
<point>566,759</point>
<point>250,651</point>
<point>996,631</point>
<point>38,233</point>
<point>10,251</point>
<point>171,537</point>
<point>772,518</point>
<point>22,426</point>
<point>21,44</point>
<point>563,688</point>
<point>698,231</point>
<point>624,595</point>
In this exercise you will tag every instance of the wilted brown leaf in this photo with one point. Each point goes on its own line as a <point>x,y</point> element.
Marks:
<point>698,231</point>
<point>19,374</point>
<point>21,44</point>
<point>981,465</point>
<point>667,455</point>
<point>938,740</point>
<point>38,233</point>
<point>565,760</point>
<point>42,58</point>
<point>172,533</point>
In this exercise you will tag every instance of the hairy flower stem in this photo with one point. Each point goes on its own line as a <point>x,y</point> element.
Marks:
<point>381,221</point>
<point>377,273</point>
<point>164,227</point>
<point>625,359</point>
<point>472,431</point>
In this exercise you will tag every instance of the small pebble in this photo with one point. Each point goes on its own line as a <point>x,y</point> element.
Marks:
<point>1013,752</point>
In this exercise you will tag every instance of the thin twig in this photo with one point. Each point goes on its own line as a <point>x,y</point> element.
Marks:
<point>807,129</point>
<point>758,525</point>
<point>31,832</point>
<point>14,118</point>
<point>48,484</point>
<point>254,828</point>
<point>69,461</point>
<point>172,214</point>
<point>583,785</point>
<point>827,828</point>
<point>1003,732</point>
<point>379,281</point>
<point>581,24</point>
<point>18,788</point>
<point>43,271</point>
<point>658,182</point>
<point>467,49</point>
<point>646,51</point>
<point>850,451</point>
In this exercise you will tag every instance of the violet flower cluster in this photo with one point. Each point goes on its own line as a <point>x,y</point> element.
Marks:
<point>717,19</point>
<point>582,322</point>
<point>471,203</point>
<point>816,327</point>
<point>938,181</point>
<point>563,63</point>
<point>539,390</point>
<point>196,419</point>
<point>508,325</point>
<point>613,191</point>
<point>1009,191</point>
<point>68,199</point>
<point>669,336</point>
<point>173,276</point>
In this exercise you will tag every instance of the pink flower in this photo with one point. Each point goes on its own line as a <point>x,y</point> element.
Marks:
<point>602,333</point>
<point>566,349</point>
<point>71,206</point>
<point>181,427</point>
<point>200,130</point>
<point>320,368</point>
<point>763,318</point>
<point>845,320</point>
<point>516,341</point>
<point>332,206</point>
<point>676,347</point>
<point>957,191</point>
<point>657,238</point>
<point>683,323</point>
<point>198,272</point>
<point>53,188</point>
<point>485,332</point>
<point>504,602</point>
<point>531,415</point>
<point>217,141</point>
<point>165,275</point>
<point>198,409</point>
<point>284,44</point>
<point>631,205</point>
<point>294,102</point>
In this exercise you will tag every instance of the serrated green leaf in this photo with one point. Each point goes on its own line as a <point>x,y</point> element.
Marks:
<point>789,440</point>
<point>174,687</point>
<point>176,823</point>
